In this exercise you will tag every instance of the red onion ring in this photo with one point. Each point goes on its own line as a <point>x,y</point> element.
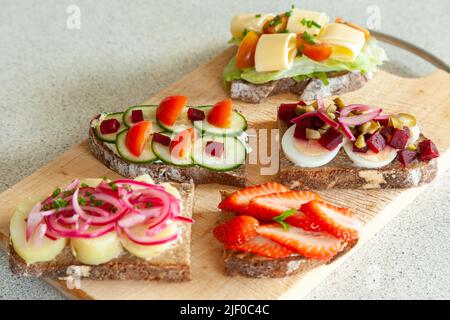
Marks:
<point>33,220</point>
<point>359,119</point>
<point>149,240</point>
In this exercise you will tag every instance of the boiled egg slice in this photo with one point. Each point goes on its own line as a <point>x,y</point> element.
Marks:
<point>306,153</point>
<point>370,159</point>
<point>414,133</point>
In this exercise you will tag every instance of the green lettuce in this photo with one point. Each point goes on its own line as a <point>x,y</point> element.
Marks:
<point>370,56</point>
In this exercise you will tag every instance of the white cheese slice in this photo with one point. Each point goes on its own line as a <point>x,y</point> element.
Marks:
<point>346,41</point>
<point>30,251</point>
<point>295,24</point>
<point>250,22</point>
<point>275,52</point>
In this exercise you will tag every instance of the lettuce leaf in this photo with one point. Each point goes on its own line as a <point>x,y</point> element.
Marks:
<point>370,56</point>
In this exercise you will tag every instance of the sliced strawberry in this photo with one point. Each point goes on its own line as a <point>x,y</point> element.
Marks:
<point>237,202</point>
<point>220,114</point>
<point>181,145</point>
<point>170,108</point>
<point>340,222</point>
<point>314,245</point>
<point>262,246</point>
<point>300,220</point>
<point>267,207</point>
<point>237,230</point>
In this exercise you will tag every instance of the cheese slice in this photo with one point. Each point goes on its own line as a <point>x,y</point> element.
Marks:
<point>346,41</point>
<point>250,22</point>
<point>275,52</point>
<point>295,24</point>
<point>30,251</point>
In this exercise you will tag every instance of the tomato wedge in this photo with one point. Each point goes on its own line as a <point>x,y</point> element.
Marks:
<point>316,51</point>
<point>181,144</point>
<point>245,57</point>
<point>170,108</point>
<point>354,26</point>
<point>221,113</point>
<point>137,137</point>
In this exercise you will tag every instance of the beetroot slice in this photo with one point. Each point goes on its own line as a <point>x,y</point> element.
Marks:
<point>195,114</point>
<point>387,132</point>
<point>109,126</point>
<point>399,138</point>
<point>137,116</point>
<point>406,157</point>
<point>161,138</point>
<point>287,111</point>
<point>214,149</point>
<point>428,150</point>
<point>300,128</point>
<point>331,139</point>
<point>376,142</point>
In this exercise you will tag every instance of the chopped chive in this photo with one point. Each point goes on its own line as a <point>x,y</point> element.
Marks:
<point>84,185</point>
<point>280,219</point>
<point>82,201</point>
<point>56,192</point>
<point>258,16</point>
<point>149,204</point>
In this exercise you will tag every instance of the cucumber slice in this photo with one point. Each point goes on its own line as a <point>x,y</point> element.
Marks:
<point>149,113</point>
<point>146,156</point>
<point>110,137</point>
<point>233,156</point>
<point>182,122</point>
<point>238,125</point>
<point>163,153</point>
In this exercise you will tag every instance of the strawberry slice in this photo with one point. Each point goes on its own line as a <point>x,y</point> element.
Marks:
<point>237,230</point>
<point>267,207</point>
<point>237,202</point>
<point>300,220</point>
<point>340,222</point>
<point>170,108</point>
<point>220,114</point>
<point>314,245</point>
<point>262,246</point>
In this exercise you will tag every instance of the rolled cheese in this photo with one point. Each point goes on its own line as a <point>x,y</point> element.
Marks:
<point>275,52</point>
<point>250,22</point>
<point>295,24</point>
<point>29,251</point>
<point>346,41</point>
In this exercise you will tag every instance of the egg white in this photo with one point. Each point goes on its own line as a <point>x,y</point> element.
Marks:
<point>370,159</point>
<point>414,133</point>
<point>306,153</point>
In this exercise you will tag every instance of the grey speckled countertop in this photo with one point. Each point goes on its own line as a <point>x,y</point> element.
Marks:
<point>54,78</point>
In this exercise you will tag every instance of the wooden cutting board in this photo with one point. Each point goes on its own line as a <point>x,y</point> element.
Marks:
<point>428,98</point>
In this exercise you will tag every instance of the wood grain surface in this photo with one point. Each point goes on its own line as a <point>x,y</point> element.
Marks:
<point>428,98</point>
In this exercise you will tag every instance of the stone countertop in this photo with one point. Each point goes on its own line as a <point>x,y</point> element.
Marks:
<point>53,78</point>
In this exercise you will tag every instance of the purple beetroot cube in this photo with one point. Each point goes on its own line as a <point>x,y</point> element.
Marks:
<point>399,138</point>
<point>406,157</point>
<point>376,142</point>
<point>137,116</point>
<point>331,139</point>
<point>428,150</point>
<point>109,126</point>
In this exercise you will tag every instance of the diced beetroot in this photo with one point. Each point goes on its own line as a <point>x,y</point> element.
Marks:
<point>214,149</point>
<point>300,128</point>
<point>286,111</point>
<point>195,114</point>
<point>387,132</point>
<point>317,123</point>
<point>428,150</point>
<point>109,126</point>
<point>360,150</point>
<point>331,139</point>
<point>406,156</point>
<point>399,138</point>
<point>376,142</point>
<point>383,122</point>
<point>161,138</point>
<point>137,116</point>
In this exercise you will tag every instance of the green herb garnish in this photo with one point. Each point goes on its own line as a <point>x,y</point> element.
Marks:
<point>149,204</point>
<point>288,13</point>
<point>284,31</point>
<point>275,21</point>
<point>310,23</point>
<point>56,192</point>
<point>113,186</point>
<point>97,203</point>
<point>244,33</point>
<point>309,38</point>
<point>258,16</point>
<point>82,201</point>
<point>46,207</point>
<point>59,203</point>
<point>280,219</point>
<point>84,185</point>
<point>68,192</point>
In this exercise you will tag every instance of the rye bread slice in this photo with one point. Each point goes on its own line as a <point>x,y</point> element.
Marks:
<point>309,89</point>
<point>161,171</point>
<point>341,173</point>
<point>172,265</point>
<point>254,266</point>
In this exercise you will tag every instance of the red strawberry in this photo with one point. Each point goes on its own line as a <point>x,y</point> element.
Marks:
<point>237,202</point>
<point>263,247</point>
<point>266,207</point>
<point>237,230</point>
<point>300,220</point>
<point>340,222</point>
<point>314,245</point>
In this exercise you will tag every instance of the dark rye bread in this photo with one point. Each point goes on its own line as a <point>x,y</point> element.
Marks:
<point>172,265</point>
<point>309,89</point>
<point>341,173</point>
<point>254,266</point>
<point>161,171</point>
